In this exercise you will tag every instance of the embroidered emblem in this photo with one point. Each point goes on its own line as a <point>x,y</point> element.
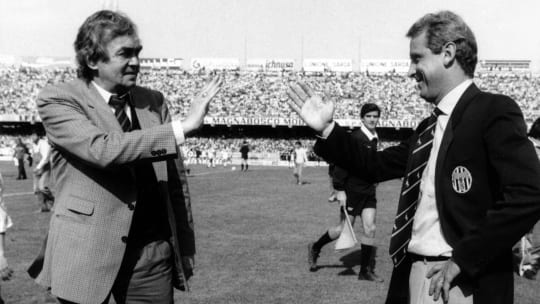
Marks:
<point>461,179</point>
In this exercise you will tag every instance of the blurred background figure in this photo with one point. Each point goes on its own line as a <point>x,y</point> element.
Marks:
<point>300,159</point>
<point>20,154</point>
<point>5,223</point>
<point>244,150</point>
<point>41,154</point>
<point>528,251</point>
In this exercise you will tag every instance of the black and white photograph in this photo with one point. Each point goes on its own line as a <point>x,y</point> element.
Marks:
<point>269,151</point>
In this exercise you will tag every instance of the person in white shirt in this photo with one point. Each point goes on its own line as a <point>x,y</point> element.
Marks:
<point>41,151</point>
<point>300,158</point>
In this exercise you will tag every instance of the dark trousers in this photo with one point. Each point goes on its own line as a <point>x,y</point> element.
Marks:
<point>144,277</point>
<point>21,170</point>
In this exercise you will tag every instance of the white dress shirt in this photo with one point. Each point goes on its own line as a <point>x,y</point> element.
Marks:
<point>427,238</point>
<point>368,133</point>
<point>44,149</point>
<point>176,124</point>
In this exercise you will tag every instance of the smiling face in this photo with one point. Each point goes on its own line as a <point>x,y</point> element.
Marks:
<point>428,69</point>
<point>119,72</point>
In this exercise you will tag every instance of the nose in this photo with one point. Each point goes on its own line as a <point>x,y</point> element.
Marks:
<point>134,60</point>
<point>412,70</point>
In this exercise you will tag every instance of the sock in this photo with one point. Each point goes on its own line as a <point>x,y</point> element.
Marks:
<point>323,240</point>
<point>365,256</point>
<point>242,166</point>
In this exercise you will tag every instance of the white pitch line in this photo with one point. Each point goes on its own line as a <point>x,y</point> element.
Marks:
<point>17,194</point>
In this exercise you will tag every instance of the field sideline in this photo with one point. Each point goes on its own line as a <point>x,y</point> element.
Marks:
<point>252,230</point>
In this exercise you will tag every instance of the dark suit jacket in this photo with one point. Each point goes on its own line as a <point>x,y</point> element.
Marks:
<point>486,134</point>
<point>343,181</point>
<point>93,168</point>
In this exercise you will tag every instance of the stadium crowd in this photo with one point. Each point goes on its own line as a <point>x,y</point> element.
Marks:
<point>247,94</point>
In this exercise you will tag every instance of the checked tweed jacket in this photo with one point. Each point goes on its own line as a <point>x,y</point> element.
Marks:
<point>92,166</point>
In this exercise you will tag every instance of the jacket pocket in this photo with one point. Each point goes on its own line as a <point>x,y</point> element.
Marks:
<point>80,206</point>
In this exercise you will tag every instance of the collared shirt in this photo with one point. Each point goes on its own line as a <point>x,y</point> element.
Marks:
<point>427,238</point>
<point>176,124</point>
<point>368,133</point>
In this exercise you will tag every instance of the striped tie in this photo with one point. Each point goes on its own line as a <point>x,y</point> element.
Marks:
<point>401,232</point>
<point>119,105</point>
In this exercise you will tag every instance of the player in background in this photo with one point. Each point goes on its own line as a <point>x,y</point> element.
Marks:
<point>300,159</point>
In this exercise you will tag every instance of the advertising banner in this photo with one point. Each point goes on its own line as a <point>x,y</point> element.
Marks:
<point>278,65</point>
<point>322,64</point>
<point>255,65</point>
<point>214,63</point>
<point>295,121</point>
<point>385,66</point>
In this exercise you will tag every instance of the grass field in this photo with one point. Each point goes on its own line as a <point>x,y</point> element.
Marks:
<point>252,229</point>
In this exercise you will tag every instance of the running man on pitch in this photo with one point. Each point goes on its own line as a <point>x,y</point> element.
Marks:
<point>358,195</point>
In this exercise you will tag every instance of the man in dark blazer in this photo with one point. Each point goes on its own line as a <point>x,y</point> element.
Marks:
<point>477,187</point>
<point>122,223</point>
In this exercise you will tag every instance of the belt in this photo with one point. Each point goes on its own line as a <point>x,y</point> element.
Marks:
<point>416,257</point>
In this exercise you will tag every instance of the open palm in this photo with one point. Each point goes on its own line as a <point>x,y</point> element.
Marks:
<point>314,111</point>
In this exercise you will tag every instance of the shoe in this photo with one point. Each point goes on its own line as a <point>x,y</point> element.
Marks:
<point>313,255</point>
<point>369,275</point>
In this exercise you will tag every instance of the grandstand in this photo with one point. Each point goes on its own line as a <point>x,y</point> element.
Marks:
<point>250,104</point>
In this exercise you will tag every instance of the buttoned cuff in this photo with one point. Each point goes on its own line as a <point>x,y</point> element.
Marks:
<point>178,132</point>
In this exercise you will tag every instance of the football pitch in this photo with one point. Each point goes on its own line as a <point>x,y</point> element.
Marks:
<point>252,230</point>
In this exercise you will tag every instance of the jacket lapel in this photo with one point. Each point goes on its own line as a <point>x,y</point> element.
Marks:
<point>454,120</point>
<point>146,118</point>
<point>95,101</point>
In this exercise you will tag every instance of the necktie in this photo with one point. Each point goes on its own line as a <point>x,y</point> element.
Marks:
<point>401,232</point>
<point>119,105</point>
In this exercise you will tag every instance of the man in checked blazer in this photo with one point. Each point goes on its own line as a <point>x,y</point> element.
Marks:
<point>479,189</point>
<point>122,223</point>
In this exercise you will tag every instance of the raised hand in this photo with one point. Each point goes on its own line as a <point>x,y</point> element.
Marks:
<point>199,105</point>
<point>314,111</point>
<point>341,197</point>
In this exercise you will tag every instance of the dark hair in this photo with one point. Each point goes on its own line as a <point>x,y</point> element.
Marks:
<point>369,107</point>
<point>93,36</point>
<point>444,27</point>
<point>534,131</point>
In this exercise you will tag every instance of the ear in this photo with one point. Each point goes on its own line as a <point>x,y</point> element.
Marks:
<point>91,64</point>
<point>449,53</point>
